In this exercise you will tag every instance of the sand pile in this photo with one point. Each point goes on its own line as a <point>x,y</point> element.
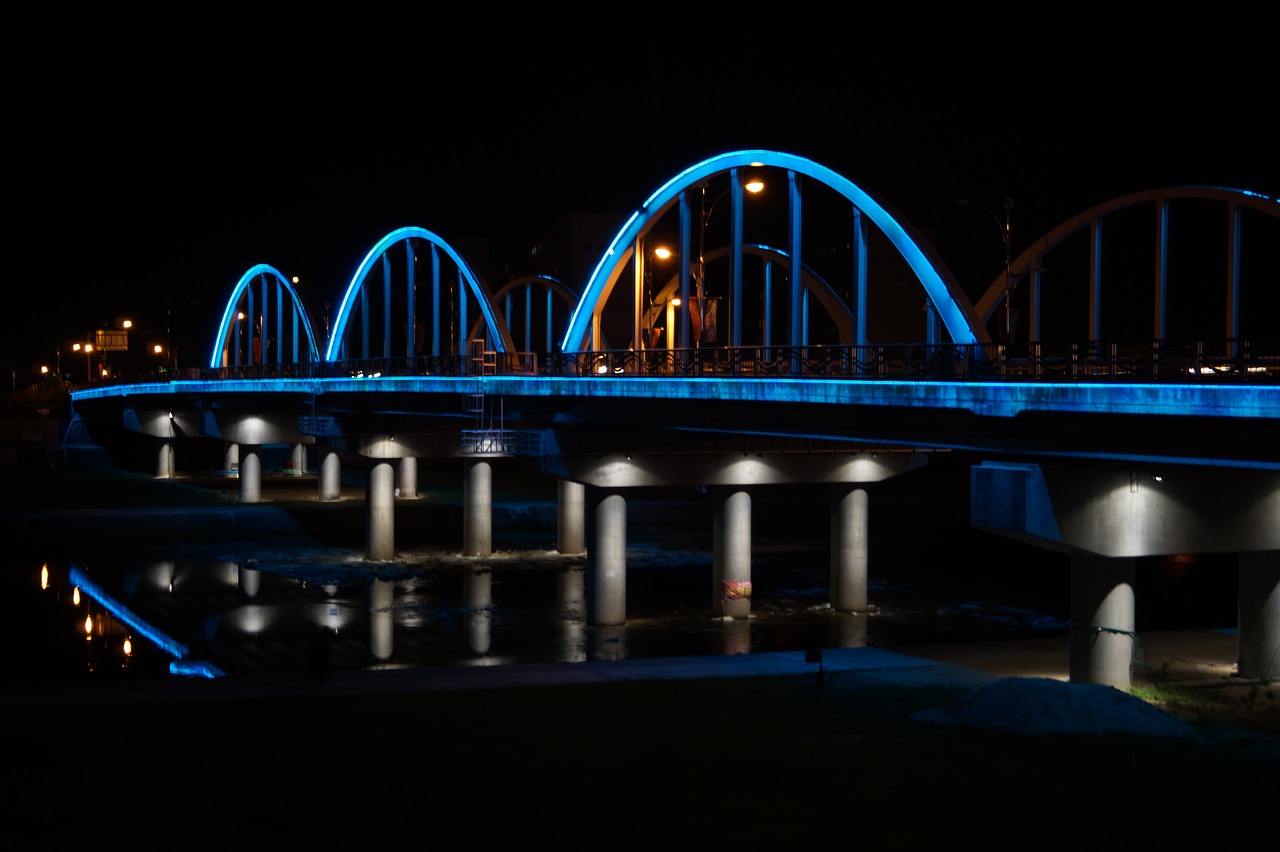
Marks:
<point>1047,706</point>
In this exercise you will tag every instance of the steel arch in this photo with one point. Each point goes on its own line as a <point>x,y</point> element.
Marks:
<point>949,300</point>
<point>499,336</point>
<point>1030,261</point>
<point>263,272</point>
<point>528,284</point>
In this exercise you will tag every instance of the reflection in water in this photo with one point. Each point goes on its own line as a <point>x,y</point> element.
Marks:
<point>217,617</point>
<point>478,595</point>
<point>381,624</point>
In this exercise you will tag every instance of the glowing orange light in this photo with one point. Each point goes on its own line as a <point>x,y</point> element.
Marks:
<point>75,596</point>
<point>88,625</point>
<point>128,646</point>
<point>44,576</point>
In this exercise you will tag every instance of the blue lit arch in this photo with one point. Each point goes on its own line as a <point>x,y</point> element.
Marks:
<point>499,338</point>
<point>944,293</point>
<point>239,343</point>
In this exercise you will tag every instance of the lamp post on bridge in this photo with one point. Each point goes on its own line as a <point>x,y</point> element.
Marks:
<point>1008,270</point>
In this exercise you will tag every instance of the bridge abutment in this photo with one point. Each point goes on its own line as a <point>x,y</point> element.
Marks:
<point>1259,628</point>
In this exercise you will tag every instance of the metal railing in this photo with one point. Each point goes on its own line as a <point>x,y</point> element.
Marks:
<point>1228,361</point>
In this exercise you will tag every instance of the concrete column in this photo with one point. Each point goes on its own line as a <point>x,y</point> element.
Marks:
<point>606,579</point>
<point>250,473</point>
<point>250,580</point>
<point>298,459</point>
<point>380,511</point>
<point>1102,620</point>
<point>164,460</point>
<point>570,520</point>
<point>407,481</point>
<point>231,460</point>
<point>330,475</point>
<point>731,552</point>
<point>848,549</point>
<point>1259,614</point>
<point>381,623</point>
<point>477,508</point>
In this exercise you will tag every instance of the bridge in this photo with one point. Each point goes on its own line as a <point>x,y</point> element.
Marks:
<point>766,346</point>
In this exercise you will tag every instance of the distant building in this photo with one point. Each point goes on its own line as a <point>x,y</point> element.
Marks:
<point>568,251</point>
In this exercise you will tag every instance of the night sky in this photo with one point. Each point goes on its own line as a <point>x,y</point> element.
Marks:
<point>155,156</point>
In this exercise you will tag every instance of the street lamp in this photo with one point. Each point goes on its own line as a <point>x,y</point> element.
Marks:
<point>698,310</point>
<point>87,349</point>
<point>1008,270</point>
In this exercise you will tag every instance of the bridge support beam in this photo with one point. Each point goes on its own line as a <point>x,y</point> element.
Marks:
<point>1259,608</point>
<point>731,552</point>
<point>1102,621</point>
<point>407,480</point>
<point>250,473</point>
<point>477,508</point>
<point>570,521</point>
<point>330,475</point>
<point>164,459</point>
<point>848,549</point>
<point>606,580</point>
<point>231,460</point>
<point>380,511</point>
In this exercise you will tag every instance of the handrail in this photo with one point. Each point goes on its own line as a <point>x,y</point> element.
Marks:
<point>1228,361</point>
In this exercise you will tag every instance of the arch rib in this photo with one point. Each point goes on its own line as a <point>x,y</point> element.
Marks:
<point>259,272</point>
<point>952,306</point>
<point>499,336</point>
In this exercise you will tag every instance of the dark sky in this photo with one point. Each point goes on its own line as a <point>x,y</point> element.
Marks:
<point>157,155</point>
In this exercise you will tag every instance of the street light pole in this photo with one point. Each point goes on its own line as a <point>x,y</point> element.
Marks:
<point>1005,230</point>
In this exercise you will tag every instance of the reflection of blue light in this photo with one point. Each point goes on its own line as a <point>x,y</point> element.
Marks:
<point>195,668</point>
<point>118,611</point>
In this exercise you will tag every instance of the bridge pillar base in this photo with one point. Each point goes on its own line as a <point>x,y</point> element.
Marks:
<point>231,461</point>
<point>477,508</point>
<point>1259,608</point>
<point>570,537</point>
<point>164,460</point>
<point>1102,621</point>
<point>731,552</point>
<point>380,512</point>
<point>606,580</point>
<point>407,481</point>
<point>330,476</point>
<point>848,549</point>
<point>250,473</point>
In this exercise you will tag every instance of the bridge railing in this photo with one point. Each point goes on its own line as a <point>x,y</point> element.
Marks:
<point>1088,361</point>
<point>1227,361</point>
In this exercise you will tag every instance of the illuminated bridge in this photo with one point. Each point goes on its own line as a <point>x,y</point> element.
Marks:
<point>804,334</point>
